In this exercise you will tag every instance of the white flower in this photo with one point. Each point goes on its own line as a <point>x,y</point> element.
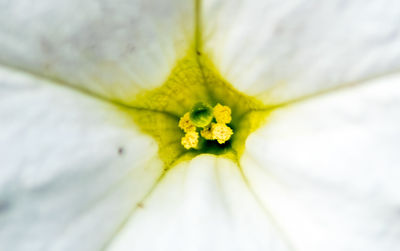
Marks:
<point>322,173</point>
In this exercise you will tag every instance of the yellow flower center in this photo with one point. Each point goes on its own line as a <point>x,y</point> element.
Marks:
<point>196,112</point>
<point>201,119</point>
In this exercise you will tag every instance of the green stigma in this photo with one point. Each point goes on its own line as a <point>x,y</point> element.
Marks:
<point>201,115</point>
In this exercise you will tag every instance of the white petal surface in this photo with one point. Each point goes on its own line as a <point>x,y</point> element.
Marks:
<point>284,50</point>
<point>328,169</point>
<point>72,167</point>
<point>200,205</point>
<point>113,48</point>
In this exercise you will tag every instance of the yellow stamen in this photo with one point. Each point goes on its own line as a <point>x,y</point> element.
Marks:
<point>185,124</point>
<point>221,132</point>
<point>222,114</point>
<point>207,133</point>
<point>190,140</point>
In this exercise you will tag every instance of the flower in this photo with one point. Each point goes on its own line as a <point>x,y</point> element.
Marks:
<point>87,162</point>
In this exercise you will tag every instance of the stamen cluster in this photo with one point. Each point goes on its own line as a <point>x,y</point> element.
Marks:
<point>209,123</point>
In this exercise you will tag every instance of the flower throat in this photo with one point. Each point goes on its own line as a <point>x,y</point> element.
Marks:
<point>197,112</point>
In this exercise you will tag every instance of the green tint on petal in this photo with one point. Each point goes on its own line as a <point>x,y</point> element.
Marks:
<point>194,80</point>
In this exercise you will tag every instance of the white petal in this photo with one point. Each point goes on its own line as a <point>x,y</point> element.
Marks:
<point>110,47</point>
<point>284,50</point>
<point>200,205</point>
<point>328,169</point>
<point>64,183</point>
